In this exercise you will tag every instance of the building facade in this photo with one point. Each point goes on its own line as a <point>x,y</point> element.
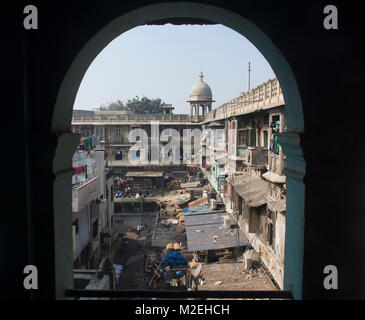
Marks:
<point>236,147</point>
<point>92,207</point>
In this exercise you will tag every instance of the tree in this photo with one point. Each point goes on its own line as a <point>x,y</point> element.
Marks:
<point>144,105</point>
<point>113,106</point>
<point>138,105</point>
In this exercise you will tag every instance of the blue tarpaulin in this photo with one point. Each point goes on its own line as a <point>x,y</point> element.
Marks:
<point>174,258</point>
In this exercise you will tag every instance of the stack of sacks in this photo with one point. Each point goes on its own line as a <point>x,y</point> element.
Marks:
<point>193,264</point>
<point>177,246</point>
<point>174,258</point>
<point>181,221</point>
<point>169,247</point>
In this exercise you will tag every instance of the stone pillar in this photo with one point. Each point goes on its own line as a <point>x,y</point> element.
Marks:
<point>294,229</point>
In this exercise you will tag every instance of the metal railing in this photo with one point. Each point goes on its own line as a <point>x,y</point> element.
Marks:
<point>117,117</point>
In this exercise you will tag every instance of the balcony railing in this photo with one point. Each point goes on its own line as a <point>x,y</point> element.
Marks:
<point>117,117</point>
<point>266,95</point>
<point>276,163</point>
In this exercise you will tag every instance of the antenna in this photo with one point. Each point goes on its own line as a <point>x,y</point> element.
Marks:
<point>249,75</point>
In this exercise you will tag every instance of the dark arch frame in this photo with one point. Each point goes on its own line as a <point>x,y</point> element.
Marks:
<point>61,124</point>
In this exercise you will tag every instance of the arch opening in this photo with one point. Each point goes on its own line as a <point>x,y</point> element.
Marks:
<point>61,121</point>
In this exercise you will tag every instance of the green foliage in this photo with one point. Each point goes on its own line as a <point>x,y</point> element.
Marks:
<point>138,105</point>
<point>113,106</point>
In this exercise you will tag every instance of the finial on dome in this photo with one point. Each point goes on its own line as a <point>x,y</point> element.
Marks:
<point>201,76</point>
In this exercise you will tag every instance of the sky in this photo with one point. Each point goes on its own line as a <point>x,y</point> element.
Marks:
<point>165,62</point>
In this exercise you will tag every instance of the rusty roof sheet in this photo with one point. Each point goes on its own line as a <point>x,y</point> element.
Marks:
<point>252,189</point>
<point>213,236</point>
<point>209,218</point>
<point>144,174</point>
<point>273,177</point>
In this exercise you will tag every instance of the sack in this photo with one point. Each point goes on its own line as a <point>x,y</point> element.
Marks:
<point>193,264</point>
<point>169,247</point>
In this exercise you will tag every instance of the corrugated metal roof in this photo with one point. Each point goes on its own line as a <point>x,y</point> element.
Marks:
<point>252,189</point>
<point>198,219</point>
<point>213,236</point>
<point>144,174</point>
<point>206,230</point>
<point>200,210</point>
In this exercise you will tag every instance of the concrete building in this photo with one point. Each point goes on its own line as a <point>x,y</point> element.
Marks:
<point>92,208</point>
<point>240,156</point>
<point>320,73</point>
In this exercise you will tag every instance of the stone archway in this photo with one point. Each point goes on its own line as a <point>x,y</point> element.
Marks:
<point>61,123</point>
<point>202,112</point>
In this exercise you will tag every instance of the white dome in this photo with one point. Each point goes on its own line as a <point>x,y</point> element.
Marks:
<point>200,91</point>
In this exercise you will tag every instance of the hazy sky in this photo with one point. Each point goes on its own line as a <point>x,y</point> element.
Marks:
<point>165,61</point>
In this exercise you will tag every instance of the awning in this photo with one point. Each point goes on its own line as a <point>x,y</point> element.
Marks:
<point>252,189</point>
<point>111,232</point>
<point>216,124</point>
<point>144,174</point>
<point>273,177</point>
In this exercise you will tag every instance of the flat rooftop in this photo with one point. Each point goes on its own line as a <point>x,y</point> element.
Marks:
<point>144,174</point>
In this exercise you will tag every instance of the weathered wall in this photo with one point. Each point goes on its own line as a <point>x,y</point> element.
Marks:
<point>84,194</point>
<point>83,236</point>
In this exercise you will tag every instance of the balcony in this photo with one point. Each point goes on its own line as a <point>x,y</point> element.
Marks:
<point>256,157</point>
<point>112,117</point>
<point>276,163</point>
<point>119,141</point>
<point>83,194</point>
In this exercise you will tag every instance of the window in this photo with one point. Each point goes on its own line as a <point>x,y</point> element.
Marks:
<point>254,220</point>
<point>75,224</point>
<point>269,233</point>
<point>270,229</point>
<point>95,230</point>
<point>99,131</point>
<point>274,139</point>
<point>242,138</point>
<point>117,132</point>
<point>252,138</point>
<point>266,138</point>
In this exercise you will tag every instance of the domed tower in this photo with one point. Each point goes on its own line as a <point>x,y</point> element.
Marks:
<point>200,99</point>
